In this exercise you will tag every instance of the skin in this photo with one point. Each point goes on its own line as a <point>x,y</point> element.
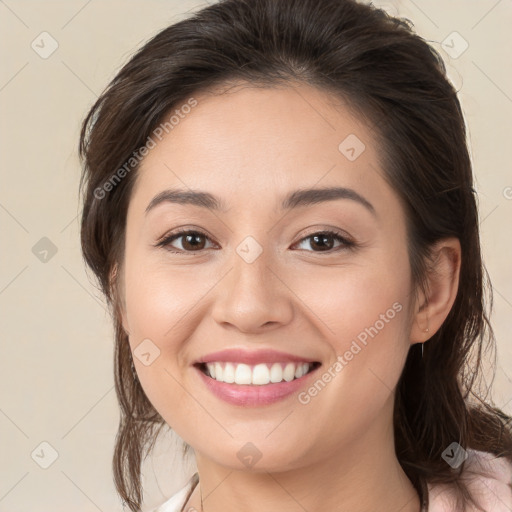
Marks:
<point>252,146</point>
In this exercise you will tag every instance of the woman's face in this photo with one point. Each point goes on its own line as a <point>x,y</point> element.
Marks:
<point>259,277</point>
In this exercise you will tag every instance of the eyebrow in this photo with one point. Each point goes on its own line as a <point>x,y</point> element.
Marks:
<point>298,198</point>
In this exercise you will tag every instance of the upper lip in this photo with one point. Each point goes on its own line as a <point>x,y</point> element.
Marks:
<point>239,355</point>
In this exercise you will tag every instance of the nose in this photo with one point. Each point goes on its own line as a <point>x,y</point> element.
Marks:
<point>253,297</point>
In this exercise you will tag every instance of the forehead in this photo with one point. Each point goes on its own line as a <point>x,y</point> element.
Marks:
<point>259,142</point>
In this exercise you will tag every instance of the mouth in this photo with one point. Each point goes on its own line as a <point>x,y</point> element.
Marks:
<point>260,374</point>
<point>255,385</point>
<point>254,378</point>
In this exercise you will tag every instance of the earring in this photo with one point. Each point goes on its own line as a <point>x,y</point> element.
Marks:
<point>422,345</point>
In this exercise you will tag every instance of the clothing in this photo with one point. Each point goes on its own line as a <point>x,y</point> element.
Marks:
<point>176,502</point>
<point>493,490</point>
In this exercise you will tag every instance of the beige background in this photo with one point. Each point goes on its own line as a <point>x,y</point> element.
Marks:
<point>56,361</point>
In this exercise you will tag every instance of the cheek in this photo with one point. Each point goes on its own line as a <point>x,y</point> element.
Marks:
<point>363,315</point>
<point>159,301</point>
<point>157,297</point>
<point>364,303</point>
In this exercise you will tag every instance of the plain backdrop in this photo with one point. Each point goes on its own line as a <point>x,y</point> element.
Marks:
<point>58,411</point>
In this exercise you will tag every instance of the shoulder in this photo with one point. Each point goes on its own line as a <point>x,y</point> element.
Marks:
<point>489,479</point>
<point>176,502</point>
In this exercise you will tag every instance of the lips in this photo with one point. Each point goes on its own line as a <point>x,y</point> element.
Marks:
<point>238,355</point>
<point>255,378</point>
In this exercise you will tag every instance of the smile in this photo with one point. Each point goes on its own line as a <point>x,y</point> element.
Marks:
<point>260,374</point>
<point>255,385</point>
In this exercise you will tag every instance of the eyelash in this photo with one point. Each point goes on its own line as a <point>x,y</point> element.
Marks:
<point>166,241</point>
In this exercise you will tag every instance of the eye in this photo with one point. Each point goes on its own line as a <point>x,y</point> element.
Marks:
<point>325,241</point>
<point>192,241</point>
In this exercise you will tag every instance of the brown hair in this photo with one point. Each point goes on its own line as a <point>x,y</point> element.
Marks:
<point>398,82</point>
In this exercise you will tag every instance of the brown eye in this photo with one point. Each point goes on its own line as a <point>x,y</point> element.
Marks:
<point>195,241</point>
<point>324,241</point>
<point>190,241</point>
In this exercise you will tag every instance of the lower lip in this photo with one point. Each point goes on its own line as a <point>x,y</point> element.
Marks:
<point>253,395</point>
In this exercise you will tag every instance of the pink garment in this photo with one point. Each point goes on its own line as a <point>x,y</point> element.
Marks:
<point>489,479</point>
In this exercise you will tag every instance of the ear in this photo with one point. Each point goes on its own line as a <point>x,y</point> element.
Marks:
<point>117,292</point>
<point>433,306</point>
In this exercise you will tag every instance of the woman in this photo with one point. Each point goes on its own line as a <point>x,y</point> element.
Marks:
<point>279,207</point>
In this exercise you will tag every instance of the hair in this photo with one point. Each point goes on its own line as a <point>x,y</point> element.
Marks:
<point>397,81</point>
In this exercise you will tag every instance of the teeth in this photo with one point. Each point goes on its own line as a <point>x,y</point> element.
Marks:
<point>257,375</point>
<point>218,371</point>
<point>301,370</point>
<point>243,374</point>
<point>211,369</point>
<point>289,372</point>
<point>229,373</point>
<point>276,373</point>
<point>260,374</point>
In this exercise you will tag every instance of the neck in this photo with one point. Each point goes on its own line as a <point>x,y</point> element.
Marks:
<point>361,476</point>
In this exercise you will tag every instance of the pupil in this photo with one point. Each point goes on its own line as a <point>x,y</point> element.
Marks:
<point>323,238</point>
<point>192,240</point>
